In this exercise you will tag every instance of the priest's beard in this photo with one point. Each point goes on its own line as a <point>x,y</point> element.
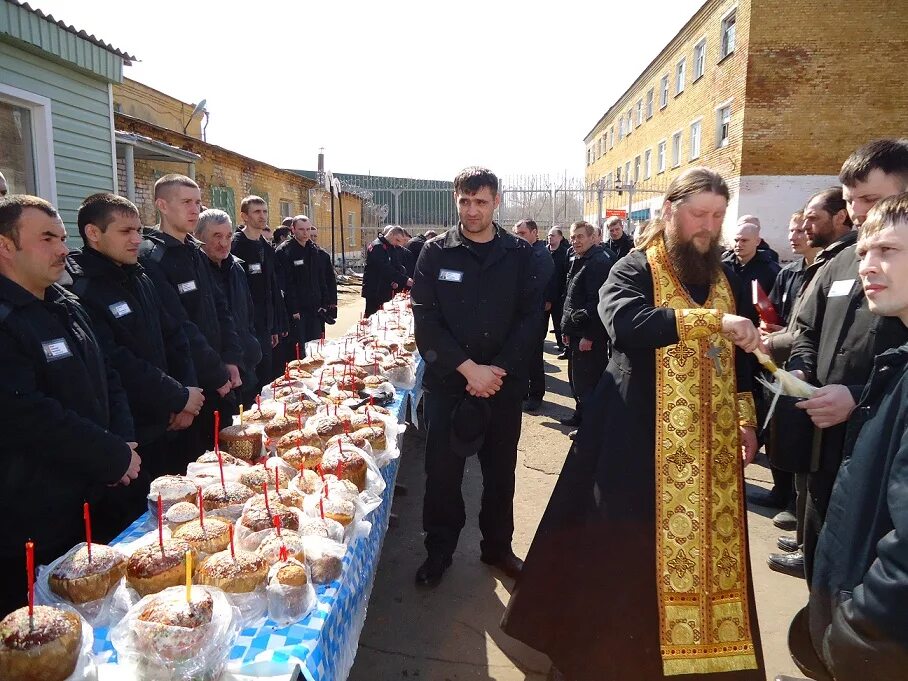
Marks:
<point>691,266</point>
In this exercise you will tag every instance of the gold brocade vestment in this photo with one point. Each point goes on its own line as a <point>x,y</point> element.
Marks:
<point>701,559</point>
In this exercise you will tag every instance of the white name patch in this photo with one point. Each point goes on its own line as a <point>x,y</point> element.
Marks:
<point>842,287</point>
<point>299,262</point>
<point>56,349</point>
<point>120,309</point>
<point>187,286</point>
<point>450,275</point>
<point>255,268</point>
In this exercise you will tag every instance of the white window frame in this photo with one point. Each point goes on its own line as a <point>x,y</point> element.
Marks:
<point>694,148</point>
<point>724,48</point>
<point>680,75</point>
<point>720,141</point>
<point>699,59</point>
<point>661,156</point>
<point>627,172</point>
<point>663,91</point>
<point>676,152</point>
<point>637,166</point>
<point>42,138</point>
<point>650,97</point>
<point>630,120</point>
<point>647,164</point>
<point>640,112</point>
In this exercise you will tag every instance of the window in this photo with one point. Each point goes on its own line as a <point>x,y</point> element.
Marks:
<point>639,112</point>
<point>699,59</point>
<point>611,138</point>
<point>618,174</point>
<point>679,77</point>
<point>351,229</point>
<point>630,121</point>
<point>695,140</point>
<point>723,123</point>
<point>663,92</point>
<point>649,104</point>
<point>621,129</point>
<point>728,34</point>
<point>27,154</point>
<point>660,157</point>
<point>286,209</point>
<point>676,149</point>
<point>647,164</point>
<point>608,181</point>
<point>637,169</point>
<point>627,171</point>
<point>223,198</point>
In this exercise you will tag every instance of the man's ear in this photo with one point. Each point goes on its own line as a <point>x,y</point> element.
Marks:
<point>667,211</point>
<point>92,233</point>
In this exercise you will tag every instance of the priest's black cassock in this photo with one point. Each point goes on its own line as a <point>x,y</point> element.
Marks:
<point>588,594</point>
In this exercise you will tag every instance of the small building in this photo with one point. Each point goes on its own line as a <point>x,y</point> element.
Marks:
<point>759,91</point>
<point>56,108</point>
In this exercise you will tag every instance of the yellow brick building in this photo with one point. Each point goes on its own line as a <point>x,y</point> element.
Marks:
<point>772,94</point>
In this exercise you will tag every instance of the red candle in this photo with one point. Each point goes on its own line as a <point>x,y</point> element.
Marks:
<point>287,371</point>
<point>201,509</point>
<point>282,553</point>
<point>297,352</point>
<point>321,376</point>
<point>230,532</point>
<point>325,489</point>
<point>86,515</point>
<point>346,427</point>
<point>265,492</point>
<point>299,421</point>
<point>321,506</point>
<point>368,417</point>
<point>335,409</point>
<point>30,570</point>
<point>277,524</point>
<point>161,523</point>
<point>321,472</point>
<point>340,467</point>
<point>217,432</point>
<point>258,402</point>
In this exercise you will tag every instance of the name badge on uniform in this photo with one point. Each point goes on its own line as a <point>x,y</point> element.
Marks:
<point>255,268</point>
<point>785,297</point>
<point>842,287</point>
<point>187,286</point>
<point>56,349</point>
<point>299,262</point>
<point>450,275</point>
<point>120,309</point>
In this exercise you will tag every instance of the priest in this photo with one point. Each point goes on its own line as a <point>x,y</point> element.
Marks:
<point>640,568</point>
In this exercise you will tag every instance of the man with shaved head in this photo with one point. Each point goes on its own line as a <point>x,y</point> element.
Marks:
<point>384,275</point>
<point>749,263</point>
<point>762,246</point>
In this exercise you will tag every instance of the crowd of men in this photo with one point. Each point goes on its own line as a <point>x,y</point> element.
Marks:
<point>116,356</point>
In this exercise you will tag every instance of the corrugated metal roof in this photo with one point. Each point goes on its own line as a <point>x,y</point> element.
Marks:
<point>69,28</point>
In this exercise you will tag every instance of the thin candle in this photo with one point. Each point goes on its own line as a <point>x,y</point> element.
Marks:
<point>265,492</point>
<point>241,414</point>
<point>30,571</point>
<point>161,523</point>
<point>277,480</point>
<point>188,555</point>
<point>201,510</point>
<point>217,431</point>
<point>277,524</point>
<point>297,352</point>
<point>321,506</point>
<point>86,516</point>
<point>230,532</point>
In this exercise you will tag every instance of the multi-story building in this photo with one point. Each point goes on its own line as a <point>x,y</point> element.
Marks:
<point>772,94</point>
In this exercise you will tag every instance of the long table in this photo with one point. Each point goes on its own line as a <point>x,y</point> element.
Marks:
<point>322,646</point>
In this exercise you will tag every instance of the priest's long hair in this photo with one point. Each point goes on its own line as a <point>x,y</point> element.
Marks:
<point>688,183</point>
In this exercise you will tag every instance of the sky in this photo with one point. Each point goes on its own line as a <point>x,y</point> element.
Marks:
<point>400,88</point>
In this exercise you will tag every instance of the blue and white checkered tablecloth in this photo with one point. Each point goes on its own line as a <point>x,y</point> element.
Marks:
<point>324,643</point>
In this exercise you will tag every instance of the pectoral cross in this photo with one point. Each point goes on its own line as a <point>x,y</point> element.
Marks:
<point>715,354</point>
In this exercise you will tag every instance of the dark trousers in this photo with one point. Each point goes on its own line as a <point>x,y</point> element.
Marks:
<point>373,305</point>
<point>819,490</point>
<point>537,364</point>
<point>800,505</point>
<point>13,579</point>
<point>585,369</point>
<point>782,484</point>
<point>555,314</point>
<point>199,437</point>
<point>443,508</point>
<point>118,506</point>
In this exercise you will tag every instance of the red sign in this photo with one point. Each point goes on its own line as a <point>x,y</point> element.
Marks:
<point>609,212</point>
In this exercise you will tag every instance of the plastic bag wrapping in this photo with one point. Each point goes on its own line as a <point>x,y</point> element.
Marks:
<point>251,606</point>
<point>403,378</point>
<point>289,604</point>
<point>148,651</point>
<point>311,507</point>
<point>98,613</point>
<point>86,669</point>
<point>393,433</point>
<point>249,540</point>
<point>211,471</point>
<point>325,559</point>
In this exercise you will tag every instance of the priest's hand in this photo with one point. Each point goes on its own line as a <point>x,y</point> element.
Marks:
<point>749,444</point>
<point>741,331</point>
<point>829,406</point>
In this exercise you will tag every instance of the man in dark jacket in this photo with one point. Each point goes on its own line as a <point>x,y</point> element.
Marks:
<point>383,275</point>
<point>257,260</point>
<point>172,258</point>
<point>476,305</point>
<point>618,241</point>
<point>749,263</point>
<point>558,248</point>
<point>329,279</point>
<point>67,431</point>
<point>840,335</point>
<point>414,246</point>
<point>580,323</point>
<point>144,343</point>
<point>544,267</point>
<point>229,272</point>
<point>304,280</point>
<point>855,626</point>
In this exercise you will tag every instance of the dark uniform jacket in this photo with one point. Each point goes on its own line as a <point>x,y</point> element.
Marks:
<point>560,258</point>
<point>785,291</point>
<point>64,416</point>
<point>859,593</point>
<point>586,276</point>
<point>143,342</point>
<point>466,308</point>
<point>258,262</point>
<point>414,246</point>
<point>185,286</point>
<point>383,269</point>
<point>621,247</point>
<point>230,278</point>
<point>304,273</point>
<point>545,271</point>
<point>761,268</point>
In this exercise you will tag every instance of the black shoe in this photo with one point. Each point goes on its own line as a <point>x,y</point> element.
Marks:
<point>788,544</point>
<point>432,570</point>
<point>532,405</point>
<point>509,564</point>
<point>785,520</point>
<point>766,498</point>
<point>572,435</point>
<point>573,421</point>
<point>564,354</point>
<point>787,563</point>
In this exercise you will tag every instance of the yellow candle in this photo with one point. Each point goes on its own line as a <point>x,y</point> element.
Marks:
<point>189,576</point>
<point>241,414</point>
